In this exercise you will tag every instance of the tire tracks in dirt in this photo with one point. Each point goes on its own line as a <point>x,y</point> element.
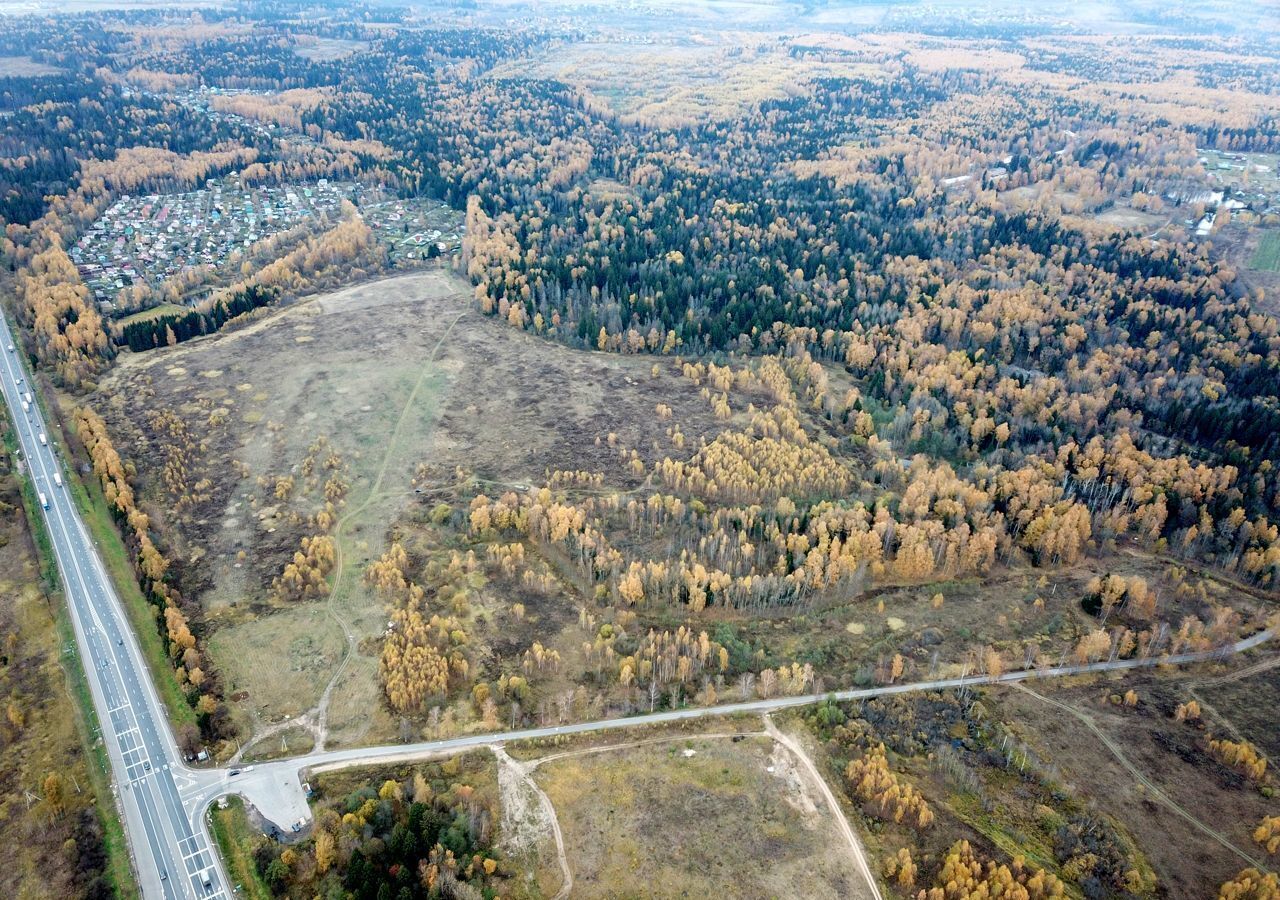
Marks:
<point>316,720</point>
<point>856,851</point>
<point>1142,779</point>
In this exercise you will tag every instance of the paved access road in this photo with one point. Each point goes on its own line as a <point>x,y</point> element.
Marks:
<point>170,845</point>
<point>274,788</point>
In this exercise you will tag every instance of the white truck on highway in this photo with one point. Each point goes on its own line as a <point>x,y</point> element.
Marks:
<point>44,441</point>
<point>27,396</point>
<point>26,407</point>
<point>44,501</point>
<point>57,478</point>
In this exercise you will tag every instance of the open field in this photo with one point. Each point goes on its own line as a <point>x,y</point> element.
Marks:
<point>278,663</point>
<point>25,67</point>
<point>693,818</point>
<point>1070,776</point>
<point>1171,755</point>
<point>321,49</point>
<point>1267,256</point>
<point>155,312</point>
<point>1128,218</point>
<point>706,77</point>
<point>372,415</point>
<point>321,370</point>
<point>1248,707</point>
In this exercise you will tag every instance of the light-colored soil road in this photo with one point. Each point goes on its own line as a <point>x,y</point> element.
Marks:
<point>282,801</point>
<point>856,852</point>
<point>521,770</point>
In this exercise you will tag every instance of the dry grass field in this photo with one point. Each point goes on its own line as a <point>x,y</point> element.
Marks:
<point>392,375</point>
<point>1189,861</point>
<point>403,392</point>
<point>700,77</point>
<point>699,816</point>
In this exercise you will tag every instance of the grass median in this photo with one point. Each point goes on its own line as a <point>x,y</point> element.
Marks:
<point>236,841</point>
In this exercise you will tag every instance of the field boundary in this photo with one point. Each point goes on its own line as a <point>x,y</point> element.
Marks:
<point>143,615</point>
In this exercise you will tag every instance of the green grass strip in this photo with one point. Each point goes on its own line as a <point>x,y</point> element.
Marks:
<point>236,839</point>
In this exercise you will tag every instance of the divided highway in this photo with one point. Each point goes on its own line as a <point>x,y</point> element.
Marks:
<point>171,848</point>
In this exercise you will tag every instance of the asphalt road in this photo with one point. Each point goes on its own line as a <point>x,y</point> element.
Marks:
<point>170,845</point>
<point>274,788</point>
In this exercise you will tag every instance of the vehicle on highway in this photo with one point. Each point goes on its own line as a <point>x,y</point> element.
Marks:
<point>44,501</point>
<point>44,441</point>
<point>27,396</point>
<point>57,478</point>
<point>11,348</point>
<point>26,407</point>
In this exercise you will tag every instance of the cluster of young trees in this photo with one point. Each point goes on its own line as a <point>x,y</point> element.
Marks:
<point>193,667</point>
<point>1241,756</point>
<point>423,654</point>
<point>967,875</point>
<point>1268,834</point>
<point>305,576</point>
<point>419,835</point>
<point>1250,884</point>
<point>882,793</point>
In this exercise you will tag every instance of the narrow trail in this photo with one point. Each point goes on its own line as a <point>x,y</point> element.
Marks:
<point>548,810</point>
<point>322,707</point>
<point>1194,685</point>
<point>1142,779</point>
<point>316,720</point>
<point>858,855</point>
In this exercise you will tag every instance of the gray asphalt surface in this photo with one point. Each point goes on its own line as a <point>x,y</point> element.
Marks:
<point>170,846</point>
<point>274,788</point>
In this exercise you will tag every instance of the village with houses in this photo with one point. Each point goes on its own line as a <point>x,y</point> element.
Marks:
<point>135,254</point>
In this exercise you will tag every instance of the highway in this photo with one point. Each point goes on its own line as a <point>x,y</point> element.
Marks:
<point>170,847</point>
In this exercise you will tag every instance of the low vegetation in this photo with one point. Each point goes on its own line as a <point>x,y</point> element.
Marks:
<point>63,837</point>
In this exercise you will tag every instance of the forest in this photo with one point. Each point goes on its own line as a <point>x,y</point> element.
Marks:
<point>947,333</point>
<point>418,834</point>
